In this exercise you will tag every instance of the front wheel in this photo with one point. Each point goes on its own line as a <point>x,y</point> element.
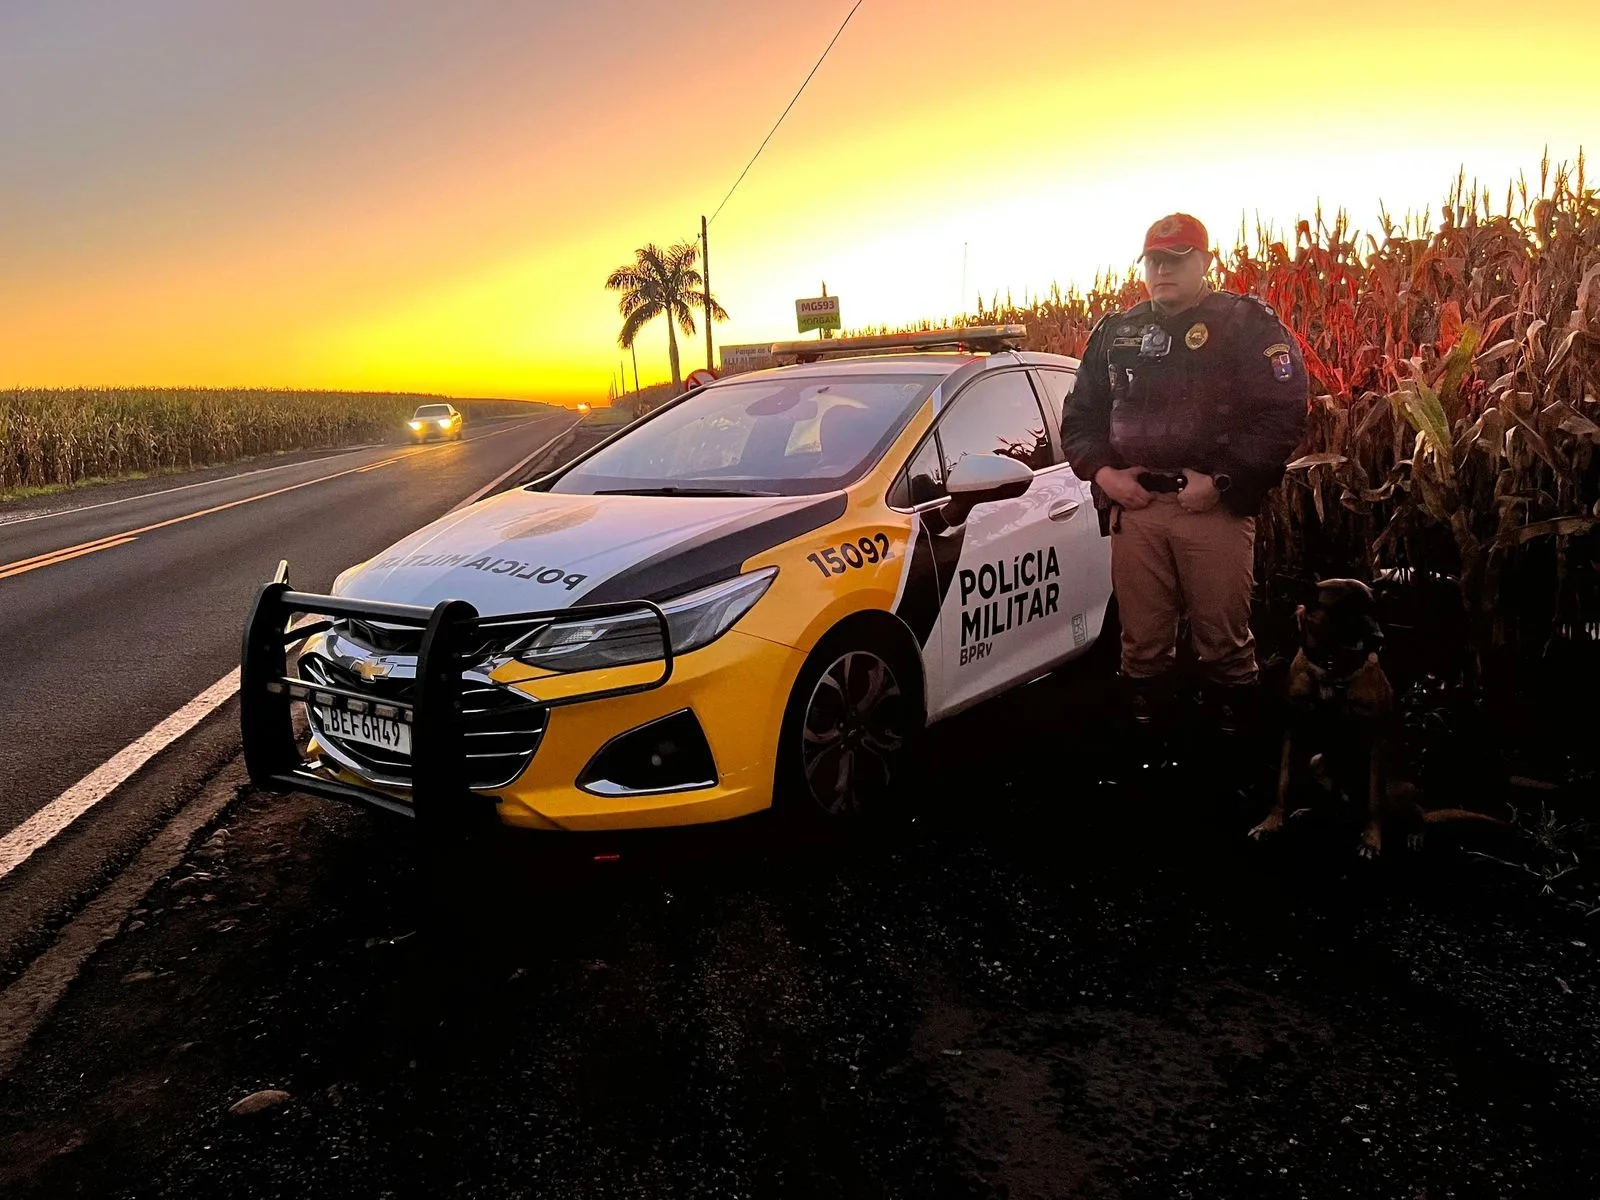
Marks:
<point>850,719</point>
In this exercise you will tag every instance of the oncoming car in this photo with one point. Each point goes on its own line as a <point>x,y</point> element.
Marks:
<point>753,597</point>
<point>435,421</point>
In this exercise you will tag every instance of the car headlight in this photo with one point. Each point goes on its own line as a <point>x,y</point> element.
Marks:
<point>693,620</point>
<point>415,424</point>
<point>444,423</point>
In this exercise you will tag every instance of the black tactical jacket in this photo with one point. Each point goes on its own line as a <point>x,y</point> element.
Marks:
<point>1220,388</point>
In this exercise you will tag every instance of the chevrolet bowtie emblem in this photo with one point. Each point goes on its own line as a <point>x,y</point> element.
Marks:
<point>372,670</point>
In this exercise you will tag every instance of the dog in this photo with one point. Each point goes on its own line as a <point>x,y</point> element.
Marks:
<point>1340,722</point>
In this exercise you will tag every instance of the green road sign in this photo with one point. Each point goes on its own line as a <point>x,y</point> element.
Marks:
<point>819,312</point>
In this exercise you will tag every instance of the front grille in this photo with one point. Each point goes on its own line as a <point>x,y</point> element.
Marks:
<point>381,638</point>
<point>500,744</point>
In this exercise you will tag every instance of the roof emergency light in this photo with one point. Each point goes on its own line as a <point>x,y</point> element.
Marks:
<point>989,339</point>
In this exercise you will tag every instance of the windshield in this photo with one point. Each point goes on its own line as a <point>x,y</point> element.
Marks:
<point>432,410</point>
<point>790,436</point>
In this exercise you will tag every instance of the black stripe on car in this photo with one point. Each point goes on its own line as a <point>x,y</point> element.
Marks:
<point>715,555</point>
<point>935,555</point>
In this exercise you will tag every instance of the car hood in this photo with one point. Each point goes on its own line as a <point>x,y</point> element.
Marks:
<point>526,551</point>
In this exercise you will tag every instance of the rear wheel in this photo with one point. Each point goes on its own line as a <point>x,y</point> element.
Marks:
<point>850,719</point>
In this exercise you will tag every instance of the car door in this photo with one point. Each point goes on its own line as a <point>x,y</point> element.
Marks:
<point>1086,585</point>
<point>1004,617</point>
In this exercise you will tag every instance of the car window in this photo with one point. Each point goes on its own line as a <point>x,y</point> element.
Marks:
<point>433,410</point>
<point>791,435</point>
<point>998,414</point>
<point>922,480</point>
<point>1057,387</point>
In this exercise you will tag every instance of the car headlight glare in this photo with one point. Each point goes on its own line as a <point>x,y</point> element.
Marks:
<point>415,424</point>
<point>444,423</point>
<point>693,620</point>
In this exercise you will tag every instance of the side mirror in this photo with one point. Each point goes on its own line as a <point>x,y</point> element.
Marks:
<point>983,479</point>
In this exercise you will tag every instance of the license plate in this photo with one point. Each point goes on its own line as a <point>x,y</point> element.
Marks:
<point>367,729</point>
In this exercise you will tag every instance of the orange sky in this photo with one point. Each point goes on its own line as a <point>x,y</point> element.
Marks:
<point>428,197</point>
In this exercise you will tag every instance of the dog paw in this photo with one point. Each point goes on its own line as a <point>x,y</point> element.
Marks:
<point>1371,843</point>
<point>1414,842</point>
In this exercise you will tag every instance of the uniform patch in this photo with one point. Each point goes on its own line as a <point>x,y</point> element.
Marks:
<point>1197,335</point>
<point>1119,342</point>
<point>1124,330</point>
<point>1276,349</point>
<point>1282,367</point>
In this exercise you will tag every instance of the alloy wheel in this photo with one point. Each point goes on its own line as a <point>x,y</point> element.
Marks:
<point>853,729</point>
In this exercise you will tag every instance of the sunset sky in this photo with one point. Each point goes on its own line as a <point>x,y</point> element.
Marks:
<point>418,195</point>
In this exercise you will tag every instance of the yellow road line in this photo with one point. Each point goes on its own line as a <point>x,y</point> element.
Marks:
<point>61,556</point>
<point>22,565</point>
<point>45,560</point>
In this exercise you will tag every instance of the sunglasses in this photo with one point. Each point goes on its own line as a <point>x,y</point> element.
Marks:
<point>1159,259</point>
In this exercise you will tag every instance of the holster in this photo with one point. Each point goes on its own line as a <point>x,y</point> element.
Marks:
<point>1103,508</point>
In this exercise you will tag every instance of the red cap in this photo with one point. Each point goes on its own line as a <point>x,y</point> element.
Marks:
<point>1177,234</point>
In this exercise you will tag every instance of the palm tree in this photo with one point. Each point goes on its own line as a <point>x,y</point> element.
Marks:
<point>662,282</point>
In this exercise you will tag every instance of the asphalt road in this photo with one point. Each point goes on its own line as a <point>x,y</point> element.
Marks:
<point>102,638</point>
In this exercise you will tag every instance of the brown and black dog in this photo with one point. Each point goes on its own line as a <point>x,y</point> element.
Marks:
<point>1339,721</point>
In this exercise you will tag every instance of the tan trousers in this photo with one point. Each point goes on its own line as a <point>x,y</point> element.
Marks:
<point>1164,562</point>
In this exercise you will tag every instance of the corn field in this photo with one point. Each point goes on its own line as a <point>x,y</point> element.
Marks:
<point>54,437</point>
<point>1455,369</point>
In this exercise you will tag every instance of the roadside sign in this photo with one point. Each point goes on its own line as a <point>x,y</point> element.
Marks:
<point>699,377</point>
<point>819,312</point>
<point>751,356</point>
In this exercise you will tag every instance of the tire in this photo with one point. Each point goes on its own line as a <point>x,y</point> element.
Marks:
<point>852,716</point>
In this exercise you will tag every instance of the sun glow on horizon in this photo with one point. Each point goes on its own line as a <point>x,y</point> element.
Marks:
<point>453,235</point>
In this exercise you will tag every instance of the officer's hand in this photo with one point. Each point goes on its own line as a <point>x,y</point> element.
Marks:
<point>1199,494</point>
<point>1123,486</point>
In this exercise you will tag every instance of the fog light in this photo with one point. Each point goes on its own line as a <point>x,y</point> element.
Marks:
<point>667,755</point>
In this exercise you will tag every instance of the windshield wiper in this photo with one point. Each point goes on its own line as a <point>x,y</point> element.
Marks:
<point>680,491</point>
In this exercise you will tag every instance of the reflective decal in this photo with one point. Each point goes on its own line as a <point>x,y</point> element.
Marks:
<point>836,560</point>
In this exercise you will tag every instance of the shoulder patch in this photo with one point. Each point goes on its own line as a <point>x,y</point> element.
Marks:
<point>1276,349</point>
<point>1263,306</point>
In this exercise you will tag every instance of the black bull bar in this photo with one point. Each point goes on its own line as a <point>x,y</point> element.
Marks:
<point>453,638</point>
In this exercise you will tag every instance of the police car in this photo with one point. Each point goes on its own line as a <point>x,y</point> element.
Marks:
<point>754,596</point>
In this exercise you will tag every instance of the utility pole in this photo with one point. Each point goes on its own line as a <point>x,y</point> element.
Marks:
<point>705,265</point>
<point>633,347</point>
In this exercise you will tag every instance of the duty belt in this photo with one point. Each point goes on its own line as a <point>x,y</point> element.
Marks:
<point>1162,481</point>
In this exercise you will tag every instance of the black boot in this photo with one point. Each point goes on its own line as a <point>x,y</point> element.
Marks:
<point>1147,703</point>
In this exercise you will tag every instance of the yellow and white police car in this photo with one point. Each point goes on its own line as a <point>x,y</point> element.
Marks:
<point>753,596</point>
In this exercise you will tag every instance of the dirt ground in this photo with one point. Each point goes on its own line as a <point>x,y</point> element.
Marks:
<point>1070,975</point>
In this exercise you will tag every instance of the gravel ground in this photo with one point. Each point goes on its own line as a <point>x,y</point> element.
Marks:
<point>1049,984</point>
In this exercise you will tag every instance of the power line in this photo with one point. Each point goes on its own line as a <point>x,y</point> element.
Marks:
<point>774,129</point>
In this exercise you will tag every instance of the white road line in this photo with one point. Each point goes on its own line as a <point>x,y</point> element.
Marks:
<point>17,846</point>
<point>39,829</point>
<point>490,486</point>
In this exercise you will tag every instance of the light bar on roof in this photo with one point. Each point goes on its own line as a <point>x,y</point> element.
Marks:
<point>986,338</point>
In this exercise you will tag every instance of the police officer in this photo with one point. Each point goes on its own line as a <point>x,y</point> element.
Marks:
<point>1184,414</point>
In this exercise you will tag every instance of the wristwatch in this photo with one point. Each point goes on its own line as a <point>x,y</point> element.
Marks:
<point>1221,481</point>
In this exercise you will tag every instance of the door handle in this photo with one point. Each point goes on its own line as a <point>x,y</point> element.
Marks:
<point>1064,510</point>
